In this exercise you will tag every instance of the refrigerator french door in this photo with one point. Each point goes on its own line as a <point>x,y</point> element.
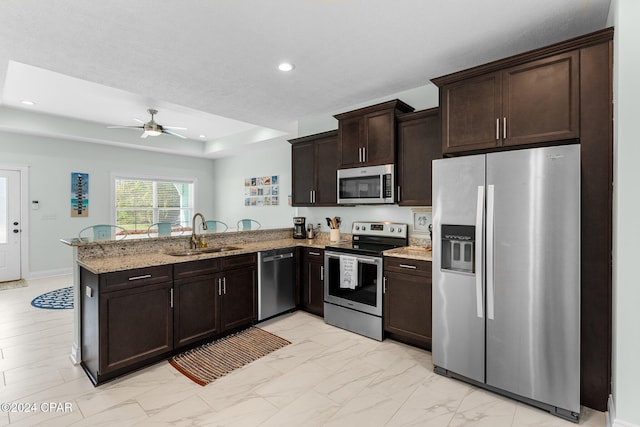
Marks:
<point>506,276</point>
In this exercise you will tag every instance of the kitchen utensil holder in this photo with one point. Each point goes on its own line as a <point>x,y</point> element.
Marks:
<point>334,235</point>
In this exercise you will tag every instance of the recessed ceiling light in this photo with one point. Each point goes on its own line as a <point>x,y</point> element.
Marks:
<point>203,136</point>
<point>27,102</point>
<point>286,66</point>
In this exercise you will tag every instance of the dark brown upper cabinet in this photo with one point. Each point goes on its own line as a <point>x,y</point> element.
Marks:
<point>418,144</point>
<point>533,102</point>
<point>367,136</point>
<point>314,161</point>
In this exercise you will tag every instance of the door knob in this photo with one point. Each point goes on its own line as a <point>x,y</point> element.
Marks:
<point>15,223</point>
<point>16,231</point>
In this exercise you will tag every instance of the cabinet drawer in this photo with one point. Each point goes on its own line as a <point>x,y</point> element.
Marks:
<point>196,268</point>
<point>406,265</point>
<point>137,277</point>
<point>232,262</point>
<point>314,255</point>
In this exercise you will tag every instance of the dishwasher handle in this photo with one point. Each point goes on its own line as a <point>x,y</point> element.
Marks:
<point>277,257</point>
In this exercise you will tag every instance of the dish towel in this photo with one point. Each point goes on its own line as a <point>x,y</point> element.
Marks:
<point>348,272</point>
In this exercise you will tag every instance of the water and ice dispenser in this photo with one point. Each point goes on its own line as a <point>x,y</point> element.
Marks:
<point>458,248</point>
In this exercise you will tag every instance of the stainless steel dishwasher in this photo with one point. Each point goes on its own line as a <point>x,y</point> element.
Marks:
<point>276,282</point>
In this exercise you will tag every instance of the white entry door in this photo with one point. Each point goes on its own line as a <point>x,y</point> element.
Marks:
<point>10,227</point>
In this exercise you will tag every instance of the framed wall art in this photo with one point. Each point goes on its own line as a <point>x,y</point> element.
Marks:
<point>262,191</point>
<point>421,221</point>
<point>79,194</point>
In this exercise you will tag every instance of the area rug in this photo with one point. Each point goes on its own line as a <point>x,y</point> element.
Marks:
<point>208,362</point>
<point>13,284</point>
<point>59,299</point>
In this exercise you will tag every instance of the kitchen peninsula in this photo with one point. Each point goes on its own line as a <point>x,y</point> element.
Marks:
<point>130,295</point>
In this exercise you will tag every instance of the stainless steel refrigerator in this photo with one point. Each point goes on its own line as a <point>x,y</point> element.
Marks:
<point>506,274</point>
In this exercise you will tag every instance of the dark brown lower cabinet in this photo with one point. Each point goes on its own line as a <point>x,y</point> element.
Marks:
<point>407,301</point>
<point>238,304</point>
<point>136,317</point>
<point>312,281</point>
<point>127,320</point>
<point>194,309</point>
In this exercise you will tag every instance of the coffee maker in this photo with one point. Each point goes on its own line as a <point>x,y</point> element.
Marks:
<point>299,229</point>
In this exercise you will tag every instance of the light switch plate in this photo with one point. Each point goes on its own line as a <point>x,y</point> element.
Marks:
<point>89,292</point>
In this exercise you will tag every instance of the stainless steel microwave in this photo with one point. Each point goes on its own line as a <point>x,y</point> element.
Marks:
<point>366,185</point>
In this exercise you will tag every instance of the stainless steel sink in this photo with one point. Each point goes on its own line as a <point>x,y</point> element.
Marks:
<point>190,252</point>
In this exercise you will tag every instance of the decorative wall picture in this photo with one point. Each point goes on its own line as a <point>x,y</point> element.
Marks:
<point>79,194</point>
<point>421,221</point>
<point>261,191</point>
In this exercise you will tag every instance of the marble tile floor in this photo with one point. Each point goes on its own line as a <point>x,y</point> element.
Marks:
<point>326,377</point>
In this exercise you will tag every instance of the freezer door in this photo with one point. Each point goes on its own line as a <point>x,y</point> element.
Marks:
<point>458,334</point>
<point>533,274</point>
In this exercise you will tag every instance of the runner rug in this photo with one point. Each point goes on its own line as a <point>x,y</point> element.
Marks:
<point>208,362</point>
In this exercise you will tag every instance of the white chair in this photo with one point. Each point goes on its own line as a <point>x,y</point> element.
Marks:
<point>163,229</point>
<point>102,232</point>
<point>214,226</point>
<point>248,224</point>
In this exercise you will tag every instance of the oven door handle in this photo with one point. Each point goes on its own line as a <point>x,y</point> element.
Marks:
<point>360,258</point>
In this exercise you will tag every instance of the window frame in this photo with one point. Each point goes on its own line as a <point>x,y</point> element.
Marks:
<point>154,178</point>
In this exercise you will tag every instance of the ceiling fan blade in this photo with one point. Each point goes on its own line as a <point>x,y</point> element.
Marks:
<point>138,120</point>
<point>173,127</point>
<point>164,130</point>
<point>124,127</point>
<point>144,135</point>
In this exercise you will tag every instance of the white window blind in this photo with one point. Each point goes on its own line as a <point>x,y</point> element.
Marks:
<point>140,203</point>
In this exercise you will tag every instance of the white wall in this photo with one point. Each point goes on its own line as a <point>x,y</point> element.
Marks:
<point>625,15</point>
<point>229,175</point>
<point>51,162</point>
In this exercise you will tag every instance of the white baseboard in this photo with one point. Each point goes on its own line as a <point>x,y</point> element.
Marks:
<point>612,421</point>
<point>49,273</point>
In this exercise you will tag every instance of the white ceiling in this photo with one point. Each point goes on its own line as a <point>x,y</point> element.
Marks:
<point>211,66</point>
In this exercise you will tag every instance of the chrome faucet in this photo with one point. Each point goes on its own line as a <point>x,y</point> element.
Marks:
<point>194,238</point>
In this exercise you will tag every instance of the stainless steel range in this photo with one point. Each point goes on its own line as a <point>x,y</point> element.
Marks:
<point>353,279</point>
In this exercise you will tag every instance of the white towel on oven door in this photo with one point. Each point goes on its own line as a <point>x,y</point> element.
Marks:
<point>348,272</point>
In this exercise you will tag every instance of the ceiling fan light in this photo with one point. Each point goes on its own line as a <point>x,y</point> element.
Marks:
<point>152,132</point>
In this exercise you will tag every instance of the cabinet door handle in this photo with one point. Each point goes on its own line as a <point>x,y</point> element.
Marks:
<point>171,297</point>
<point>360,154</point>
<point>314,196</point>
<point>314,253</point>
<point>497,129</point>
<point>384,285</point>
<point>219,286</point>
<point>146,276</point>
<point>224,285</point>
<point>399,196</point>
<point>322,273</point>
<point>412,267</point>
<point>364,154</point>
<point>504,128</point>
<point>310,196</point>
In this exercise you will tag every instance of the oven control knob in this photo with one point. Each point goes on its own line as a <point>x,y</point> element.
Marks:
<point>357,227</point>
<point>364,227</point>
<point>392,229</point>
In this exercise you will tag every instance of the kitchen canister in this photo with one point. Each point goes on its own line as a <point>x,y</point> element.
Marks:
<point>334,234</point>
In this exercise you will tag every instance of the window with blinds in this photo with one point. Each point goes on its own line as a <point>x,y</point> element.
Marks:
<point>139,203</point>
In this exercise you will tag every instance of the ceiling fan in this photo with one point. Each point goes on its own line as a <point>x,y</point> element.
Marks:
<point>151,128</point>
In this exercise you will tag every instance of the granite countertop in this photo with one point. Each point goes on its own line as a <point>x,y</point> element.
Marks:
<point>100,265</point>
<point>109,264</point>
<point>410,252</point>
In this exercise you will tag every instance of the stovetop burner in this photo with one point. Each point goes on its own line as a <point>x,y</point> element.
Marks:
<point>372,238</point>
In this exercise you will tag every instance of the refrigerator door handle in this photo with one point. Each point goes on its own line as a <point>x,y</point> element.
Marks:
<point>490,250</point>
<point>479,245</point>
